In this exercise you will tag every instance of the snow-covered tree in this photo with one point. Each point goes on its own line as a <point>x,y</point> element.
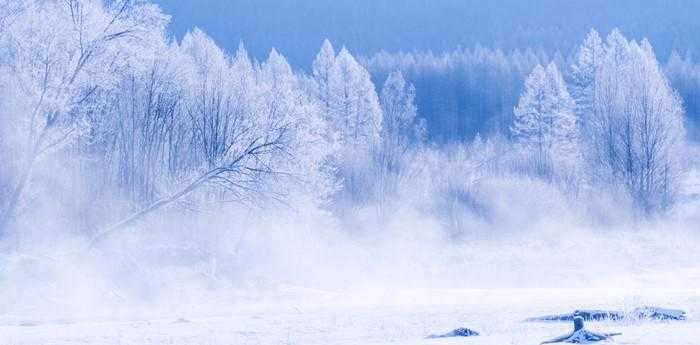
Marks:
<point>143,138</point>
<point>637,130</point>
<point>348,98</point>
<point>684,74</point>
<point>462,92</point>
<point>401,130</point>
<point>351,107</point>
<point>322,70</point>
<point>583,72</point>
<point>545,123</point>
<point>354,104</point>
<point>283,100</point>
<point>400,126</point>
<point>244,125</point>
<point>61,57</point>
<point>211,106</point>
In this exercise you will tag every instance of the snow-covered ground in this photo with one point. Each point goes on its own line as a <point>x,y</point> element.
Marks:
<point>654,265</point>
<point>293,315</point>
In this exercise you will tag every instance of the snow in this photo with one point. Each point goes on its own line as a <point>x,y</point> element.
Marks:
<point>255,174</point>
<point>295,315</point>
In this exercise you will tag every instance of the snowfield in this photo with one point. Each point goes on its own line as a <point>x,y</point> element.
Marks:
<point>158,189</point>
<point>293,315</point>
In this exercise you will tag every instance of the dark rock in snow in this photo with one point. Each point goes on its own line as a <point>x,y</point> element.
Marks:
<point>459,332</point>
<point>580,335</point>
<point>642,313</point>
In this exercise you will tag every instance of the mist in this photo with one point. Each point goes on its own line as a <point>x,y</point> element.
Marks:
<point>159,166</point>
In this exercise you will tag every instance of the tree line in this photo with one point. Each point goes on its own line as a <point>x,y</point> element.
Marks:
<point>106,113</point>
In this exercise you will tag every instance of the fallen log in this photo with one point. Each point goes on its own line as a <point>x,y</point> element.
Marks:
<point>586,314</point>
<point>641,313</point>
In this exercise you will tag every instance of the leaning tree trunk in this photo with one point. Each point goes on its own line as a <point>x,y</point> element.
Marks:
<point>253,150</point>
<point>155,206</point>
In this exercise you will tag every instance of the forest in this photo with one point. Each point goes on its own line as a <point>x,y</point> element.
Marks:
<point>149,168</point>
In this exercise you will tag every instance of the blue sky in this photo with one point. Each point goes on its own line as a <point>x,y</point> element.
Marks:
<point>297,27</point>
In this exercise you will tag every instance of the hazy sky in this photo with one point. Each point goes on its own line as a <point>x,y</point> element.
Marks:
<point>297,27</point>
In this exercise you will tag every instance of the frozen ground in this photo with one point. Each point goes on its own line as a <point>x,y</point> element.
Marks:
<point>293,315</point>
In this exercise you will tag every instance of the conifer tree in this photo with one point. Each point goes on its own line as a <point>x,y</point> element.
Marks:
<point>545,124</point>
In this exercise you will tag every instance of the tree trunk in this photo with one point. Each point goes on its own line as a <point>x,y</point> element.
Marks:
<point>13,201</point>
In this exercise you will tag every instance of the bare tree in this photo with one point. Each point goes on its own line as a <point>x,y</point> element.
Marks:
<point>61,54</point>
